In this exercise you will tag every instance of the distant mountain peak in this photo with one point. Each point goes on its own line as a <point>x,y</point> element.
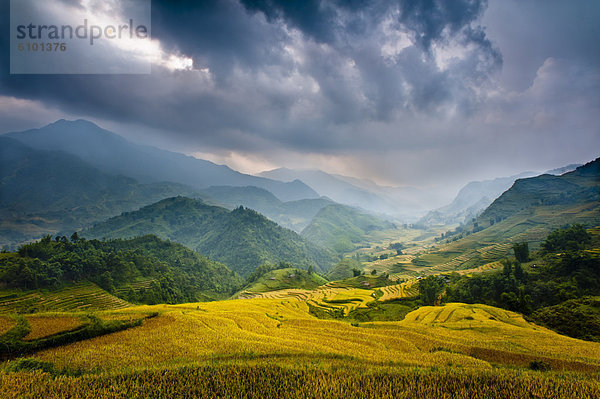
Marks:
<point>563,170</point>
<point>114,154</point>
<point>75,123</point>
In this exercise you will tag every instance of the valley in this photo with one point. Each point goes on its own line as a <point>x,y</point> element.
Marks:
<point>117,285</point>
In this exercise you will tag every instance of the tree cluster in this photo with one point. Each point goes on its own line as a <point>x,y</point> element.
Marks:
<point>176,274</point>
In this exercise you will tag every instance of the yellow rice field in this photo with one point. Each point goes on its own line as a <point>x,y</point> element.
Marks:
<point>404,290</point>
<point>324,297</point>
<point>43,326</point>
<point>274,348</point>
<point>455,335</point>
<point>6,323</point>
<point>271,381</point>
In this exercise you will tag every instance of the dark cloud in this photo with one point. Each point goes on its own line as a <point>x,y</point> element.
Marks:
<point>413,80</point>
<point>353,79</point>
<point>315,18</point>
<point>218,34</point>
<point>326,22</point>
<point>429,19</point>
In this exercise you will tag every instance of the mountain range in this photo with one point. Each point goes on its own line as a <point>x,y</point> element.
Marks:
<point>70,174</point>
<point>112,154</point>
<point>476,196</point>
<point>45,192</point>
<point>397,202</point>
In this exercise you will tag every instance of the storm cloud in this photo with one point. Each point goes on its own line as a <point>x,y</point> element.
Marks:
<point>419,92</point>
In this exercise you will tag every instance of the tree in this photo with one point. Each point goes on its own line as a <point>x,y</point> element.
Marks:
<point>311,269</point>
<point>571,239</point>
<point>518,270</point>
<point>521,250</point>
<point>507,270</point>
<point>373,272</point>
<point>430,289</point>
<point>356,272</point>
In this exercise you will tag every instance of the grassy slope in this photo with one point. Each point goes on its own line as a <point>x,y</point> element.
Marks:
<point>343,269</point>
<point>285,278</point>
<point>577,187</point>
<point>493,243</point>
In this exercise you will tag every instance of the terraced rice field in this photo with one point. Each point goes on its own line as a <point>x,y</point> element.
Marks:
<point>136,286</point>
<point>274,348</point>
<point>292,293</point>
<point>403,290</point>
<point>81,296</point>
<point>328,298</point>
<point>454,336</point>
<point>43,326</point>
<point>484,268</point>
<point>437,262</point>
<point>488,254</point>
<point>495,251</point>
<point>392,265</point>
<point>6,323</point>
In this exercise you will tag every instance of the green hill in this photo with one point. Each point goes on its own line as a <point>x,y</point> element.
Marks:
<point>344,269</point>
<point>145,269</point>
<point>578,318</point>
<point>341,227</point>
<point>288,277</point>
<point>242,238</point>
<point>528,211</point>
<point>577,187</point>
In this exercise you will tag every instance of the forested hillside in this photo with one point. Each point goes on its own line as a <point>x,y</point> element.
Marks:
<point>294,215</point>
<point>144,270</point>
<point>243,239</point>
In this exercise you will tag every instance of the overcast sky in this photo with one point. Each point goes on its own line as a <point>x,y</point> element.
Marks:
<point>409,92</point>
